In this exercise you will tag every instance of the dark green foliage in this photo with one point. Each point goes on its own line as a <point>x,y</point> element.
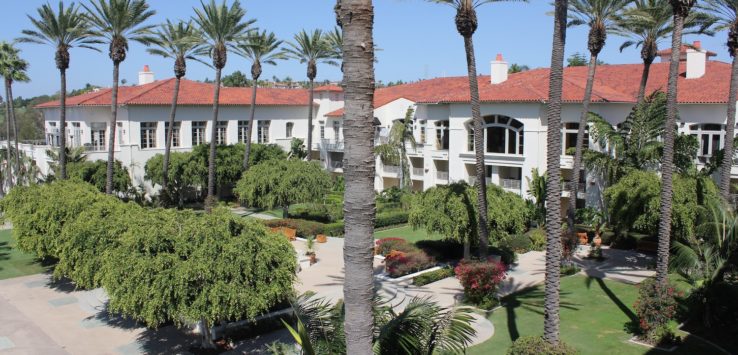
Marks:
<point>94,172</point>
<point>264,152</point>
<point>185,174</point>
<point>228,162</point>
<point>535,345</point>
<point>324,213</point>
<point>433,276</point>
<point>569,269</point>
<point>236,79</point>
<point>39,213</point>
<point>656,307</point>
<point>388,219</point>
<point>282,183</point>
<point>304,228</point>
<point>391,195</point>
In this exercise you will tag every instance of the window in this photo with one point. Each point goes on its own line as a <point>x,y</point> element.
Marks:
<point>422,132</point>
<point>221,133</point>
<point>97,135</point>
<point>570,131</point>
<point>504,135</point>
<point>262,132</point>
<point>710,138</point>
<point>75,135</point>
<point>288,129</point>
<point>175,133</point>
<point>442,135</point>
<point>119,133</point>
<point>322,131</point>
<point>52,135</point>
<point>243,131</point>
<point>198,132</point>
<point>148,134</point>
<point>337,131</point>
<point>469,137</point>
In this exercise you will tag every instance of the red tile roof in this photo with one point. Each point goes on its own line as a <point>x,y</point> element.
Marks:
<point>191,93</point>
<point>683,50</point>
<point>331,87</point>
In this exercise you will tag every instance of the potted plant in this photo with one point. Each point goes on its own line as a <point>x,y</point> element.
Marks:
<point>321,238</point>
<point>310,243</point>
<point>596,221</point>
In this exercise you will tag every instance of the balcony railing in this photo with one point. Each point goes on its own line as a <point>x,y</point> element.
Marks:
<point>95,147</point>
<point>442,175</point>
<point>338,164</point>
<point>569,186</point>
<point>510,184</point>
<point>473,180</point>
<point>392,169</point>
<point>336,146</point>
<point>418,171</point>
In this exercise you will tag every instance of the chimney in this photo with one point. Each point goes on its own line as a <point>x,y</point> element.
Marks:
<point>145,76</point>
<point>696,60</point>
<point>499,70</point>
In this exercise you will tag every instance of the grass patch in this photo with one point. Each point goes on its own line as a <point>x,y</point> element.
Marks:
<point>407,233</point>
<point>594,313</point>
<point>13,262</point>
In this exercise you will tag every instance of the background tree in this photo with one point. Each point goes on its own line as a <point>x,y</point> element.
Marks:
<point>725,14</point>
<point>222,28</point>
<point>282,183</point>
<point>537,189</point>
<point>517,68</point>
<point>116,22</point>
<point>228,164</point>
<point>311,48</point>
<point>553,169</point>
<point>395,150</point>
<point>577,59</point>
<point>258,48</point>
<point>180,42</point>
<point>681,10</point>
<point>237,79</point>
<point>12,69</point>
<point>64,29</point>
<point>185,174</point>
<point>95,173</point>
<point>601,16</point>
<point>356,17</point>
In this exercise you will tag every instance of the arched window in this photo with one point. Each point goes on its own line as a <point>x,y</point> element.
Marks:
<point>503,135</point>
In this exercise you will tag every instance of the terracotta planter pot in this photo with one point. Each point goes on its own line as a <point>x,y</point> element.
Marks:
<point>597,240</point>
<point>321,238</point>
<point>583,239</point>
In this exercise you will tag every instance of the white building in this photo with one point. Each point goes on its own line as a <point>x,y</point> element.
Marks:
<point>514,107</point>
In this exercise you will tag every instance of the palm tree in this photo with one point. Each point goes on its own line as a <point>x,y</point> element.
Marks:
<point>466,25</point>
<point>357,19</point>
<point>681,10</point>
<point>395,150</point>
<point>553,169</point>
<point>311,48</point>
<point>13,69</point>
<point>648,22</point>
<point>64,30</point>
<point>117,22</point>
<point>422,327</point>
<point>335,43</point>
<point>601,16</point>
<point>259,48</point>
<point>725,14</point>
<point>222,27</point>
<point>180,42</point>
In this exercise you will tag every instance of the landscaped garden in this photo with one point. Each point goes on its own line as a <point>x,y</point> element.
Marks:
<point>13,262</point>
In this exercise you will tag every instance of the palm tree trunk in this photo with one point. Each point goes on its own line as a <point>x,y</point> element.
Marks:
<point>213,135</point>
<point>63,124</point>
<point>168,146</point>
<point>729,132</point>
<point>111,129</point>
<point>667,161</point>
<point>471,66</point>
<point>15,129</point>
<point>577,166</point>
<point>357,17</point>
<point>9,171</point>
<point>644,81</point>
<point>252,113</point>
<point>553,188</point>
<point>310,123</point>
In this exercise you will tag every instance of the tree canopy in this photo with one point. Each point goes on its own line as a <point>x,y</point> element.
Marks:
<point>282,183</point>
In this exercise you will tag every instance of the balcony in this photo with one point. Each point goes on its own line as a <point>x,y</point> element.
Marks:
<point>418,171</point>
<point>392,169</point>
<point>473,180</point>
<point>94,147</point>
<point>338,164</point>
<point>442,175</point>
<point>332,145</point>
<point>510,184</point>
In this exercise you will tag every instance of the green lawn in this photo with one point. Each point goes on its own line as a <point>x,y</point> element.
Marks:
<point>407,233</point>
<point>593,317</point>
<point>13,262</point>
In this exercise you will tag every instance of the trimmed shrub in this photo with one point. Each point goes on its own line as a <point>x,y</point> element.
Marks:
<point>40,212</point>
<point>537,239</point>
<point>535,345</point>
<point>317,212</point>
<point>387,245</point>
<point>433,276</point>
<point>304,228</point>
<point>480,280</point>
<point>520,243</point>
<point>334,229</point>
<point>442,250</point>
<point>399,263</point>
<point>390,219</point>
<point>655,307</point>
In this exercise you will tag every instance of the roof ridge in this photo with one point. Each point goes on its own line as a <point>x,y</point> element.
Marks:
<point>97,94</point>
<point>161,82</point>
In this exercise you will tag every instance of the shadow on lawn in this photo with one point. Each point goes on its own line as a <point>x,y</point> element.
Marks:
<point>531,299</point>
<point>4,252</point>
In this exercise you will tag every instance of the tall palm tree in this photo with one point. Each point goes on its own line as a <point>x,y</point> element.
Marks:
<point>357,19</point>
<point>12,69</point>
<point>259,48</point>
<point>681,10</point>
<point>395,150</point>
<point>466,25</point>
<point>311,48</point>
<point>648,22</point>
<point>116,22</point>
<point>553,169</point>
<point>64,30</point>
<point>180,41</point>
<point>725,14</point>
<point>222,27</point>
<point>601,16</point>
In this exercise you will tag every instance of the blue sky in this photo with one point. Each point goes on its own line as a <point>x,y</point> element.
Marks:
<point>418,40</point>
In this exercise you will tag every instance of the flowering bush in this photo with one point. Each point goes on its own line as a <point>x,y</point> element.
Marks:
<point>387,245</point>
<point>655,307</point>
<point>399,263</point>
<point>480,280</point>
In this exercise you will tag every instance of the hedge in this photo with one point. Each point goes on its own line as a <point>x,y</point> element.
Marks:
<point>307,228</point>
<point>433,276</point>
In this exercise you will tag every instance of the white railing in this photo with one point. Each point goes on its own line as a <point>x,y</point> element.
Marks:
<point>284,143</point>
<point>510,184</point>
<point>338,164</point>
<point>418,171</point>
<point>392,169</point>
<point>332,145</point>
<point>442,175</point>
<point>473,180</point>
